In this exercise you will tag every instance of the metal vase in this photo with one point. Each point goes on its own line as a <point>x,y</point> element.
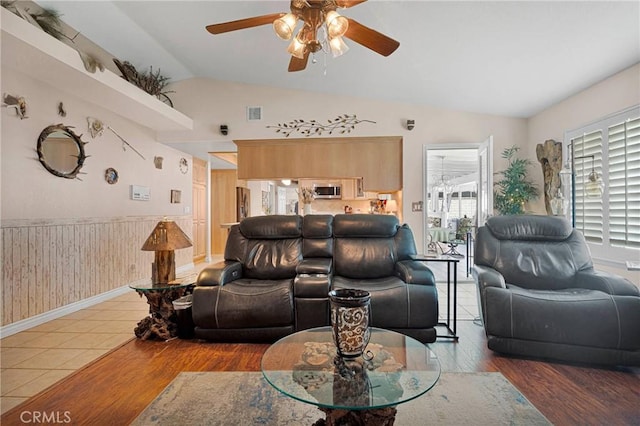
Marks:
<point>350,317</point>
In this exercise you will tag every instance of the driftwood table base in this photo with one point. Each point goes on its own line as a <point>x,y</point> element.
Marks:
<point>162,321</point>
<point>375,417</point>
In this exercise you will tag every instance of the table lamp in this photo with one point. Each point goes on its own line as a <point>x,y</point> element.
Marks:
<point>164,239</point>
<point>391,207</point>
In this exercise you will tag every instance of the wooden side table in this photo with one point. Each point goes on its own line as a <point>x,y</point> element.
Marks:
<point>162,321</point>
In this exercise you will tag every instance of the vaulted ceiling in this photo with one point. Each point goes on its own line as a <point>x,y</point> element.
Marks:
<point>506,58</point>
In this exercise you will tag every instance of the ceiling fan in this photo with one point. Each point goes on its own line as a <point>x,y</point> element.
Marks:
<point>322,28</point>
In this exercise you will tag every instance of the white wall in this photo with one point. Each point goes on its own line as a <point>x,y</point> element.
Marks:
<point>211,103</point>
<point>29,191</point>
<point>63,241</point>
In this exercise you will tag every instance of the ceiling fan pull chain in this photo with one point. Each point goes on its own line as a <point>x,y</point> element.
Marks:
<point>324,72</point>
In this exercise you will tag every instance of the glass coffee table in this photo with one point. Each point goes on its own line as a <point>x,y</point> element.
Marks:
<point>364,390</point>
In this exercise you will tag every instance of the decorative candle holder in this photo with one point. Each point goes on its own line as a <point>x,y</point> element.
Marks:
<point>350,314</point>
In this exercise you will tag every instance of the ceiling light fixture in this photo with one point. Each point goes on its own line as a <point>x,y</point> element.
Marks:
<point>443,182</point>
<point>323,29</point>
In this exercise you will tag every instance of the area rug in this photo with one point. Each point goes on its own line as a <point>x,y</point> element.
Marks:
<point>242,398</point>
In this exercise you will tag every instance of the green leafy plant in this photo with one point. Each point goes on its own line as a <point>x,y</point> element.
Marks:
<point>513,191</point>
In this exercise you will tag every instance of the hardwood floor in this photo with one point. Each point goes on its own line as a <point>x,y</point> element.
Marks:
<point>117,387</point>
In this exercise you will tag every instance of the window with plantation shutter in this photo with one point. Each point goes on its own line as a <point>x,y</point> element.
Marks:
<point>624,184</point>
<point>611,147</point>
<point>588,211</point>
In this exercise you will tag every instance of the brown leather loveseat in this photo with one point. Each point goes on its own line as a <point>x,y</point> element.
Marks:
<point>278,271</point>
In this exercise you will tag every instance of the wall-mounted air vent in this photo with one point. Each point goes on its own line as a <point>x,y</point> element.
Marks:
<point>254,113</point>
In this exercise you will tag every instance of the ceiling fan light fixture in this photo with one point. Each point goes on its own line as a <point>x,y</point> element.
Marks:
<point>337,25</point>
<point>284,26</point>
<point>297,48</point>
<point>338,46</point>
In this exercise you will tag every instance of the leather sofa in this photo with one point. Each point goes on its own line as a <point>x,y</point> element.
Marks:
<point>278,271</point>
<point>540,296</point>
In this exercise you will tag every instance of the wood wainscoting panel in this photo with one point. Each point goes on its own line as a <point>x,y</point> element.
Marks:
<point>47,264</point>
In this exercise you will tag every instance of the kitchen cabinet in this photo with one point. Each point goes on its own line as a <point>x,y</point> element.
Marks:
<point>353,189</point>
<point>377,159</point>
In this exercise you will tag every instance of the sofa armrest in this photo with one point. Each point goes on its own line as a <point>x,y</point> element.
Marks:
<point>220,273</point>
<point>315,265</point>
<point>605,282</point>
<point>414,272</point>
<point>486,276</point>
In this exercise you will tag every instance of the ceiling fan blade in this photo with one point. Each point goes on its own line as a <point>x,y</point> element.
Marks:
<point>297,64</point>
<point>241,24</point>
<point>371,39</point>
<point>349,3</point>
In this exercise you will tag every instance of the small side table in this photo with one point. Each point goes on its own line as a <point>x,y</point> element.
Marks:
<point>162,321</point>
<point>452,269</point>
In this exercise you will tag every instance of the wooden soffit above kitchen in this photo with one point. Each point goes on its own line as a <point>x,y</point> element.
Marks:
<point>378,160</point>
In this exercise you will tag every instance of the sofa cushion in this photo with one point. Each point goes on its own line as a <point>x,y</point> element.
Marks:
<point>317,226</point>
<point>523,255</point>
<point>529,228</point>
<point>272,227</point>
<point>571,316</point>
<point>395,304</point>
<point>365,225</point>
<point>245,303</point>
<point>272,259</point>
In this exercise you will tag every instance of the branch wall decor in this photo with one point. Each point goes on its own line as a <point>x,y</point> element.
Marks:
<point>341,124</point>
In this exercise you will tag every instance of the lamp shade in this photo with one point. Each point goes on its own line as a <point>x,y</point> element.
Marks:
<point>167,235</point>
<point>392,206</point>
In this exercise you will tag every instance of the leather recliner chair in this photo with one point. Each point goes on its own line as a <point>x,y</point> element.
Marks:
<point>540,296</point>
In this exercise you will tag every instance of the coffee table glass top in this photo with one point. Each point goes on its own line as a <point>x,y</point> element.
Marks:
<point>304,366</point>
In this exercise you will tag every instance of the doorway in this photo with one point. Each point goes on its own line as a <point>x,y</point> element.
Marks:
<point>458,194</point>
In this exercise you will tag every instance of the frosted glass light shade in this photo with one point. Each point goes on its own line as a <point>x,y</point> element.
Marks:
<point>336,25</point>
<point>284,26</point>
<point>338,47</point>
<point>297,48</point>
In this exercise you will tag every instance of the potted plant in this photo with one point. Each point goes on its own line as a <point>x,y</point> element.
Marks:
<point>514,190</point>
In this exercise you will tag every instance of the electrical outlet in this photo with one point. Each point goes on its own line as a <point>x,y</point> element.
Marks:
<point>416,206</point>
<point>187,210</point>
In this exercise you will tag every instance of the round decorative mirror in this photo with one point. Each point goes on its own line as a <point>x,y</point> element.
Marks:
<point>61,151</point>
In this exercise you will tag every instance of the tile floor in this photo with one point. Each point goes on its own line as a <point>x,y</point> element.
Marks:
<point>37,358</point>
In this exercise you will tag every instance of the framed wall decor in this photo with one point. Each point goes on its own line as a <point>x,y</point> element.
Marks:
<point>176,196</point>
<point>111,175</point>
<point>184,165</point>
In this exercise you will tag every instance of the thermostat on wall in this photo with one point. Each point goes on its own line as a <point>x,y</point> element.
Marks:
<point>141,193</point>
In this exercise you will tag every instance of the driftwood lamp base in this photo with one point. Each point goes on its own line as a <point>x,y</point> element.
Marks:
<point>163,270</point>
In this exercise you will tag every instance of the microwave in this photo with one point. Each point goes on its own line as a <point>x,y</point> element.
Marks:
<point>328,191</point>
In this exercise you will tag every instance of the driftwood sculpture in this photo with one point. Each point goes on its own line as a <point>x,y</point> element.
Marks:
<point>550,157</point>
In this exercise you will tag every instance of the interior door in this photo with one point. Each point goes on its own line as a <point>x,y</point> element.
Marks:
<point>485,180</point>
